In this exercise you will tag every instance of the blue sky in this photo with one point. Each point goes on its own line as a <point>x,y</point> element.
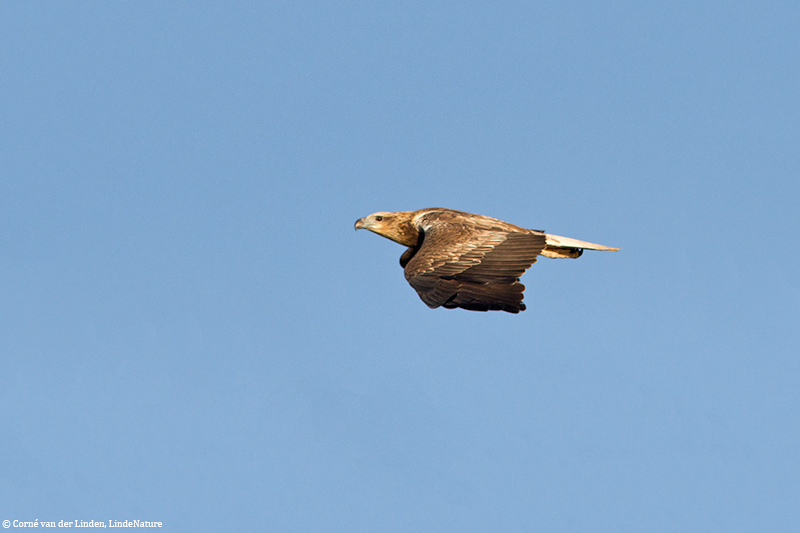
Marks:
<point>191,332</point>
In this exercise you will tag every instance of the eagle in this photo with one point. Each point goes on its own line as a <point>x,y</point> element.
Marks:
<point>461,260</point>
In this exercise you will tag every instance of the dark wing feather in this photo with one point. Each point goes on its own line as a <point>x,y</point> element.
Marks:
<point>476,268</point>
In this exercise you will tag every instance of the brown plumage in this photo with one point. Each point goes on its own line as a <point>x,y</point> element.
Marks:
<point>457,259</point>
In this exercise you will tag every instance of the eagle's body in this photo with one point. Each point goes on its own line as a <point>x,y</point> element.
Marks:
<point>457,259</point>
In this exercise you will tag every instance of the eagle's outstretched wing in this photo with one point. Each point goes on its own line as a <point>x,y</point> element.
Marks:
<point>471,266</point>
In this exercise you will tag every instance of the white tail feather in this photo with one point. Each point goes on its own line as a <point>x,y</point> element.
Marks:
<point>559,247</point>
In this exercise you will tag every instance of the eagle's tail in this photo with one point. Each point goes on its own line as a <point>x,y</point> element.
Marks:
<point>559,247</point>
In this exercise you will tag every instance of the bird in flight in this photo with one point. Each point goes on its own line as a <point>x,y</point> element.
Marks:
<point>457,259</point>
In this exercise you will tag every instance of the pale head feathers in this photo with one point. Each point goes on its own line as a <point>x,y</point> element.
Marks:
<point>394,226</point>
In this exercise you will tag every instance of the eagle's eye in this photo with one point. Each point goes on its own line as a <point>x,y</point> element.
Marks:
<point>378,218</point>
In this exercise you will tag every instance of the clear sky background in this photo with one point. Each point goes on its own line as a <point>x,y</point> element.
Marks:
<point>191,332</point>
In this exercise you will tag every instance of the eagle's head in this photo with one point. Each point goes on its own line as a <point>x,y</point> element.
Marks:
<point>394,226</point>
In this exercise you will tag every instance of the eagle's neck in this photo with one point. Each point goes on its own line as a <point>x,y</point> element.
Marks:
<point>403,232</point>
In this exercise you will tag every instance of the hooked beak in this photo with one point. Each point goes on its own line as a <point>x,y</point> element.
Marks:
<point>361,223</point>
